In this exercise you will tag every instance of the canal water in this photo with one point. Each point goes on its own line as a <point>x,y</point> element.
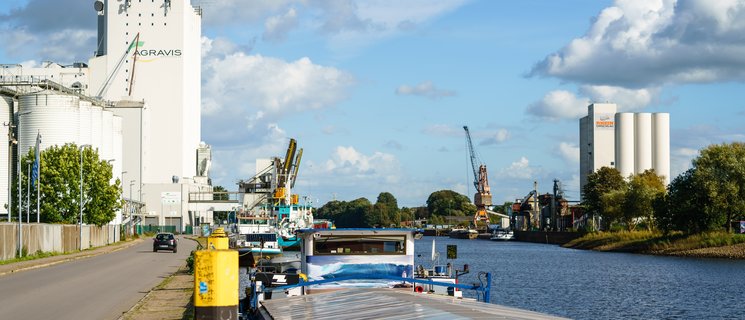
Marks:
<point>583,284</point>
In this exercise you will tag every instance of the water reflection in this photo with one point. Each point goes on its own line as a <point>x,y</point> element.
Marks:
<point>584,284</point>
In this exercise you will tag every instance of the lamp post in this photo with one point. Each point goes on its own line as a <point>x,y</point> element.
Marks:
<point>80,223</point>
<point>28,192</point>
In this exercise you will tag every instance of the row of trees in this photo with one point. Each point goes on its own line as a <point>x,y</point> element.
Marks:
<point>59,192</point>
<point>361,213</point>
<point>707,197</point>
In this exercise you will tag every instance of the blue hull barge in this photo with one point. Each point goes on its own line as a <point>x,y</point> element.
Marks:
<point>368,274</point>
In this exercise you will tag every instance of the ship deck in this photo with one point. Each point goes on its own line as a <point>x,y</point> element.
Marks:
<point>387,304</point>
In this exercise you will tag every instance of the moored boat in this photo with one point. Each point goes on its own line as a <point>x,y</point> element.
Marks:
<point>464,234</point>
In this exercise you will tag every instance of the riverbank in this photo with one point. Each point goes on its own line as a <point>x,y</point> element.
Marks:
<point>708,245</point>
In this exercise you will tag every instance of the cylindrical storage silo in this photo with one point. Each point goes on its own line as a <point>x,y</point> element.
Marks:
<point>96,127</point>
<point>105,151</point>
<point>54,116</point>
<point>117,147</point>
<point>642,142</point>
<point>6,109</point>
<point>661,144</point>
<point>625,143</point>
<point>85,122</point>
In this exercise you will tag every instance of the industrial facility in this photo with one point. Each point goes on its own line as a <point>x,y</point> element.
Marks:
<point>137,102</point>
<point>629,142</point>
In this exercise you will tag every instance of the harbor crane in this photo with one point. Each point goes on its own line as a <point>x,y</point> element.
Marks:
<point>482,198</point>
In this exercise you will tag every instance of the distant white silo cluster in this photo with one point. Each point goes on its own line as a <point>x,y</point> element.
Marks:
<point>61,119</point>
<point>640,141</point>
<point>643,142</point>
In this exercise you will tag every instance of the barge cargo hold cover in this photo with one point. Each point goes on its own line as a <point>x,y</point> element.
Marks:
<point>387,304</point>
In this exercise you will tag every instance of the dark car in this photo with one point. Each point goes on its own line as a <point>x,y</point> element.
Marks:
<point>165,241</point>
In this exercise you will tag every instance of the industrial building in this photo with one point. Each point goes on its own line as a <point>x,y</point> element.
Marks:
<point>137,101</point>
<point>629,142</point>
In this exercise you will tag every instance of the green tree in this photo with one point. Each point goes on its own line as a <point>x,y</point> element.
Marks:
<point>613,202</point>
<point>684,207</point>
<point>60,186</point>
<point>720,174</point>
<point>220,196</point>
<point>449,203</point>
<point>644,188</point>
<point>599,183</point>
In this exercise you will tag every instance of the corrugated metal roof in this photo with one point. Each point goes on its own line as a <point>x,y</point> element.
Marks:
<point>389,304</point>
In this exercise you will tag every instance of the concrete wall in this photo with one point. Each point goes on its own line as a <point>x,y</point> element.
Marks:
<point>53,238</point>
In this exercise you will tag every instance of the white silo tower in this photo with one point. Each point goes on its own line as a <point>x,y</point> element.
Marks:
<point>642,142</point>
<point>85,122</point>
<point>96,131</point>
<point>53,115</point>
<point>117,155</point>
<point>6,109</point>
<point>661,145</point>
<point>105,151</point>
<point>625,144</point>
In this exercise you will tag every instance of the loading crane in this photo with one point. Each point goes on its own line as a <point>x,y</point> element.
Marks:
<point>482,198</point>
<point>286,173</point>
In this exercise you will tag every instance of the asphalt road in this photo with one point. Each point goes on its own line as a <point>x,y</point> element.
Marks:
<point>100,287</point>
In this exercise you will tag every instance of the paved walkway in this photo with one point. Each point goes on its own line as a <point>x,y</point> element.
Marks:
<point>49,261</point>
<point>172,299</point>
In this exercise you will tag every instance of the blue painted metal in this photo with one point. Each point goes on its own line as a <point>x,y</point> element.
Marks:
<point>485,289</point>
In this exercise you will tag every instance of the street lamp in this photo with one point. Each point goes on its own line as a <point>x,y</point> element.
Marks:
<point>80,223</point>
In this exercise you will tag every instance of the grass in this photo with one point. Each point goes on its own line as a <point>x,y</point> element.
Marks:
<point>653,241</point>
<point>37,255</point>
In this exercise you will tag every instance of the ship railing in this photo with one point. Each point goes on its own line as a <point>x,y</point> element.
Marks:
<point>484,289</point>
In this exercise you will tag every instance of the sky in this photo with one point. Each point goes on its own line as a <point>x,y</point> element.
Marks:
<point>377,92</point>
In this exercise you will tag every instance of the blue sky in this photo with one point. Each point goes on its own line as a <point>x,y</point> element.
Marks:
<point>377,92</point>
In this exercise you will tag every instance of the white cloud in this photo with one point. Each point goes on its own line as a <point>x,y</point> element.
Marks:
<point>277,27</point>
<point>230,12</point>
<point>243,93</point>
<point>639,44</point>
<point>568,152</point>
<point>561,104</point>
<point>520,169</point>
<point>348,161</point>
<point>424,89</point>
<point>500,136</point>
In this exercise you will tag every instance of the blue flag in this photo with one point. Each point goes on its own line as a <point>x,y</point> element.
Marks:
<point>35,169</point>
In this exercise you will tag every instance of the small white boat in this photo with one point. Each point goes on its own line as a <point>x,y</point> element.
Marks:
<point>502,235</point>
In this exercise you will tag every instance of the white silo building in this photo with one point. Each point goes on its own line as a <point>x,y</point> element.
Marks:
<point>6,111</point>
<point>629,142</point>
<point>53,115</point>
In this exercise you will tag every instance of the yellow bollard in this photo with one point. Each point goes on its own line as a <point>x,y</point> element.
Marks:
<point>218,240</point>
<point>216,284</point>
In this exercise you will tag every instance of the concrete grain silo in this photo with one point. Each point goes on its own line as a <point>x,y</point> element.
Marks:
<point>105,151</point>
<point>625,144</point>
<point>55,116</point>
<point>85,122</point>
<point>6,109</point>
<point>642,142</point>
<point>96,131</point>
<point>661,145</point>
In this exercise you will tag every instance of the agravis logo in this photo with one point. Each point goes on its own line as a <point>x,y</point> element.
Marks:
<point>153,54</point>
